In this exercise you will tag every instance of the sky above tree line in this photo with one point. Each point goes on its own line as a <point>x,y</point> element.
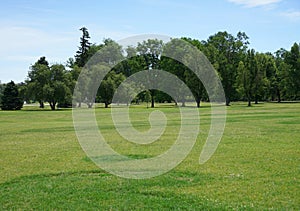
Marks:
<point>30,29</point>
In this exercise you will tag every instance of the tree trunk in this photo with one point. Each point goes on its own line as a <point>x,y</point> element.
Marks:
<point>152,100</point>
<point>198,103</point>
<point>183,104</point>
<point>249,102</point>
<point>41,104</point>
<point>79,104</point>
<point>279,96</point>
<point>227,101</point>
<point>256,99</point>
<point>90,105</point>
<point>52,105</point>
<point>106,105</point>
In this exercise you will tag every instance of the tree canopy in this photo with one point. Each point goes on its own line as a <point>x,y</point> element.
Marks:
<point>245,74</point>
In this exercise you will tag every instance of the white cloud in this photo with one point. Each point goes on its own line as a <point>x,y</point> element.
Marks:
<point>292,15</point>
<point>21,46</point>
<point>254,3</point>
<point>27,39</point>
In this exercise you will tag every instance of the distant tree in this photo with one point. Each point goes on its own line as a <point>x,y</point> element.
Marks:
<point>149,53</point>
<point>244,81</point>
<point>42,60</point>
<point>111,53</point>
<point>284,85</point>
<point>249,78</point>
<point>260,82</point>
<point>198,44</point>
<point>225,52</point>
<point>2,87</point>
<point>70,63</point>
<point>106,91</point>
<point>191,78</point>
<point>107,58</point>
<point>280,77</point>
<point>23,92</point>
<point>147,97</point>
<point>108,87</point>
<point>130,51</point>
<point>93,49</point>
<point>292,58</point>
<point>49,84</point>
<point>271,80</point>
<point>176,48</point>
<point>69,87</point>
<point>196,86</point>
<point>11,99</point>
<point>37,78</point>
<point>161,97</point>
<point>82,55</point>
<point>288,73</point>
<point>132,64</point>
<point>56,89</point>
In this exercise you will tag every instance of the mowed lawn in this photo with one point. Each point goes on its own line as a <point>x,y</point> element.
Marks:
<point>256,165</point>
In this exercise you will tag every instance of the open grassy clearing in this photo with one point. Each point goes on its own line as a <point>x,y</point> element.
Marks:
<point>256,166</point>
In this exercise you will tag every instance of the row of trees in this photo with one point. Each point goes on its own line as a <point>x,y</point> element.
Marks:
<point>245,74</point>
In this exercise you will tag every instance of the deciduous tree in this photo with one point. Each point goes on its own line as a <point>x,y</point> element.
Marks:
<point>37,78</point>
<point>149,53</point>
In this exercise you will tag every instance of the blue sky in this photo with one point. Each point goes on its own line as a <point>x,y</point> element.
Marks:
<point>30,29</point>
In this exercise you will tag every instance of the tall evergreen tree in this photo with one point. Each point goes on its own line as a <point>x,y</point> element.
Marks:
<point>11,99</point>
<point>82,55</point>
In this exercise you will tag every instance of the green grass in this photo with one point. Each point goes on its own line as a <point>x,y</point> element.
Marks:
<point>256,166</point>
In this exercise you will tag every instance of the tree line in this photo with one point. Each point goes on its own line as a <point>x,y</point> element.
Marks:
<point>246,75</point>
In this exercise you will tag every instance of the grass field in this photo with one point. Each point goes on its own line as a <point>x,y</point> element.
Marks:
<point>256,166</point>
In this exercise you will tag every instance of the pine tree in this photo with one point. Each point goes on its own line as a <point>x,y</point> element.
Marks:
<point>10,99</point>
<point>82,54</point>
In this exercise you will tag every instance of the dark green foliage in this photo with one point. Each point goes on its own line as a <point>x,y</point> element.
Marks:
<point>108,87</point>
<point>10,99</point>
<point>56,89</point>
<point>150,52</point>
<point>82,54</point>
<point>245,74</point>
<point>49,84</point>
<point>43,61</point>
<point>2,87</point>
<point>162,97</point>
<point>292,59</point>
<point>225,52</point>
<point>37,78</point>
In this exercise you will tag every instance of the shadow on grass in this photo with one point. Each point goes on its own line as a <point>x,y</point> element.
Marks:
<point>90,190</point>
<point>33,109</point>
<point>49,130</point>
